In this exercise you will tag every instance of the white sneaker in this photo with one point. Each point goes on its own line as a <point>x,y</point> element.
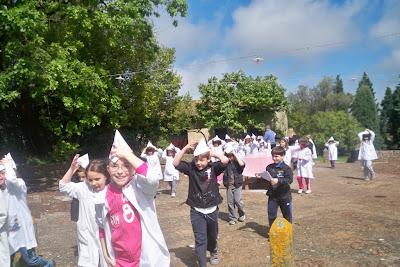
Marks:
<point>173,194</point>
<point>300,191</point>
<point>308,191</point>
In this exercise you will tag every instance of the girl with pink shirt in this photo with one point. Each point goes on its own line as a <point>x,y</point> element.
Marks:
<point>130,234</point>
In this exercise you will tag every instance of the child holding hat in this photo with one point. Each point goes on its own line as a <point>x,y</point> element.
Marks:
<point>171,175</point>
<point>203,197</point>
<point>332,151</point>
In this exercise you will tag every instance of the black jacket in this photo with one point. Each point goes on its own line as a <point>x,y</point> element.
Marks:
<point>237,170</point>
<point>285,177</point>
<point>203,187</point>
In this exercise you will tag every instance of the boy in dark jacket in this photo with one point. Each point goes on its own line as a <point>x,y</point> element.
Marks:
<point>279,194</point>
<point>203,197</point>
<point>233,181</point>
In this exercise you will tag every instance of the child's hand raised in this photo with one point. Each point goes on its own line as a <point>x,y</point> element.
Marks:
<point>192,145</point>
<point>120,151</point>
<point>74,164</point>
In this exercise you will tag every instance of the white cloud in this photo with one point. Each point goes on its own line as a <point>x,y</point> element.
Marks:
<point>187,37</point>
<point>199,72</point>
<point>273,27</point>
<point>388,24</point>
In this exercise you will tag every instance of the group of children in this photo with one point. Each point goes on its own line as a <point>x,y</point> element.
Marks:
<point>114,199</point>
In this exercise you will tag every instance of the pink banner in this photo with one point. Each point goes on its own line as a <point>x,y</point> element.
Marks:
<point>256,163</point>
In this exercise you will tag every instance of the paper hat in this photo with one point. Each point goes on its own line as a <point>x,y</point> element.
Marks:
<point>228,149</point>
<point>149,144</point>
<point>253,136</point>
<point>247,137</point>
<point>2,168</point>
<point>83,161</point>
<point>201,148</point>
<point>227,137</point>
<point>331,139</point>
<point>216,138</point>
<point>8,156</point>
<point>260,137</point>
<point>119,141</point>
<point>170,147</point>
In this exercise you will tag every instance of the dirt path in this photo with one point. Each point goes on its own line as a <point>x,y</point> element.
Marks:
<point>344,222</point>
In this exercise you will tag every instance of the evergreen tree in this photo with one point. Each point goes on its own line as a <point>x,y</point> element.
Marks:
<point>385,115</point>
<point>338,85</point>
<point>367,82</point>
<point>394,120</point>
<point>364,109</point>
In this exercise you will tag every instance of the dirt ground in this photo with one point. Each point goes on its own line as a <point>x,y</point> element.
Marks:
<point>346,221</point>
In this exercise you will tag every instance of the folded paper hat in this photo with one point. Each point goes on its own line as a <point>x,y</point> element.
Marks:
<point>253,136</point>
<point>227,137</point>
<point>170,147</point>
<point>119,141</point>
<point>2,168</point>
<point>8,156</point>
<point>149,144</point>
<point>247,137</point>
<point>331,139</point>
<point>201,148</point>
<point>83,161</point>
<point>216,138</point>
<point>229,149</point>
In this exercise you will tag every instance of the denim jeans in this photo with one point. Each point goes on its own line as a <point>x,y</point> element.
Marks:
<point>31,259</point>
<point>274,204</point>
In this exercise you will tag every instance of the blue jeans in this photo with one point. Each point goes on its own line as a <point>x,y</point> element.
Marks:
<point>274,204</point>
<point>205,229</point>
<point>31,259</point>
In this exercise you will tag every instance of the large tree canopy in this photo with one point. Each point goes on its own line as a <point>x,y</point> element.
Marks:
<point>57,66</point>
<point>236,101</point>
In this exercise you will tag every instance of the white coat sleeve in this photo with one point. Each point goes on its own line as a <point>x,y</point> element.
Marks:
<point>3,210</point>
<point>149,183</point>
<point>71,189</point>
<point>11,178</point>
<point>372,135</point>
<point>164,154</point>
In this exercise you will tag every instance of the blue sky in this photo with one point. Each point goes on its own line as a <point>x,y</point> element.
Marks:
<point>301,41</point>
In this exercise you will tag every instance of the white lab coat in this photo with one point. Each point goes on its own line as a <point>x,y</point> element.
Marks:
<point>251,148</point>
<point>288,157</point>
<point>89,248</point>
<point>170,173</point>
<point>305,165</point>
<point>314,150</point>
<point>4,247</point>
<point>140,191</point>
<point>367,149</point>
<point>153,162</point>
<point>332,150</point>
<point>20,224</point>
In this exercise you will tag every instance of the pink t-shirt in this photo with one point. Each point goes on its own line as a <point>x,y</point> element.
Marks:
<point>126,230</point>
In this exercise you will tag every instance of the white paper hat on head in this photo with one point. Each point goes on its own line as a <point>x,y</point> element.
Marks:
<point>119,141</point>
<point>331,139</point>
<point>229,149</point>
<point>201,148</point>
<point>216,138</point>
<point>83,161</point>
<point>149,144</point>
<point>227,137</point>
<point>253,136</point>
<point>2,168</point>
<point>247,137</point>
<point>8,156</point>
<point>170,147</point>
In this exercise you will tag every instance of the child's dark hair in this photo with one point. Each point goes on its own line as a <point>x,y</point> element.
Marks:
<point>278,150</point>
<point>98,165</point>
<point>303,141</point>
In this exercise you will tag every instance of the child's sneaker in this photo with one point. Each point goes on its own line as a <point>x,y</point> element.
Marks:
<point>300,191</point>
<point>232,222</point>
<point>173,194</point>
<point>308,191</point>
<point>214,259</point>
<point>242,218</point>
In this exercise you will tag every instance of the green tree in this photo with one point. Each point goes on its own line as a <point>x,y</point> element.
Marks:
<point>57,60</point>
<point>394,116</point>
<point>338,85</point>
<point>385,116</point>
<point>342,126</point>
<point>239,102</point>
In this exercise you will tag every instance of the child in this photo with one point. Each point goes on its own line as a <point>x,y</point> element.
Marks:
<point>80,176</point>
<point>284,142</point>
<point>216,144</point>
<point>171,175</point>
<point>4,249</point>
<point>250,146</point>
<point>89,248</point>
<point>367,153</point>
<point>152,154</point>
<point>203,197</point>
<point>130,234</point>
<point>233,181</point>
<point>279,194</point>
<point>332,151</point>
<point>20,225</point>
<point>304,166</point>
